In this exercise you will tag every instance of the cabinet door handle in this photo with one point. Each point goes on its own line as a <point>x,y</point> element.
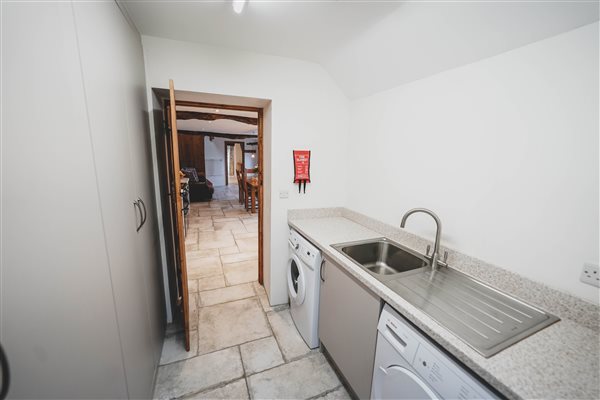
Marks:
<point>145,212</point>
<point>5,374</point>
<point>137,205</point>
<point>322,270</point>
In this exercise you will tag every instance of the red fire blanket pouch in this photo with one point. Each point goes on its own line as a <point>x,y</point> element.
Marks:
<point>301,168</point>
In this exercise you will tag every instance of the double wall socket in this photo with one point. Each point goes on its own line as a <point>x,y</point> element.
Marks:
<point>590,274</point>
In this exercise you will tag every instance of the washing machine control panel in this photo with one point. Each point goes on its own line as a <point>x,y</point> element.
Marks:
<point>307,252</point>
<point>309,256</point>
<point>294,239</point>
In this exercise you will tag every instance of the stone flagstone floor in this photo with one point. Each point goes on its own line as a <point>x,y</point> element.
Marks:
<point>241,347</point>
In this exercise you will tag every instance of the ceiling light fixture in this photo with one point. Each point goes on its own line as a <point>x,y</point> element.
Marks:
<point>238,6</point>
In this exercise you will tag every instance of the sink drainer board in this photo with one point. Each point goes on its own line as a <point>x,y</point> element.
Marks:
<point>485,318</point>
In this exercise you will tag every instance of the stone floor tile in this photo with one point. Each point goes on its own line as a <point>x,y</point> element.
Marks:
<point>238,257</point>
<point>200,223</point>
<point>230,324</point>
<point>264,302</point>
<point>241,272</point>
<point>192,285</point>
<point>211,282</point>
<point>202,267</point>
<point>225,219</point>
<point>234,226</point>
<point>173,347</point>
<point>215,240</point>
<point>198,373</point>
<point>199,205</point>
<point>301,379</point>
<point>258,288</point>
<point>337,394</point>
<point>223,251</point>
<point>235,212</point>
<point>191,236</point>
<point>245,245</point>
<point>248,235</point>
<point>236,390</point>
<point>251,226</point>
<point>193,310</point>
<point>224,295</point>
<point>210,212</point>
<point>219,203</point>
<point>291,343</point>
<point>260,355</point>
<point>191,247</point>
<point>202,253</point>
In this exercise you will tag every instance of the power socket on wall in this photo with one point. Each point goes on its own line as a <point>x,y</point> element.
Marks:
<point>590,274</point>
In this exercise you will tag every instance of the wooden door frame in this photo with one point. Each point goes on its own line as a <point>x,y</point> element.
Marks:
<point>260,112</point>
<point>233,143</point>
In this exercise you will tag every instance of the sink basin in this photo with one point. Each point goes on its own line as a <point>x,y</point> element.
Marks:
<point>483,317</point>
<point>381,257</point>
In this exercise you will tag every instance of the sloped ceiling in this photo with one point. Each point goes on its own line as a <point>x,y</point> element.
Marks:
<point>366,46</point>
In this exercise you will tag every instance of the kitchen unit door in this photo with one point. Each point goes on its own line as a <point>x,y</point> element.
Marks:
<point>105,59</point>
<point>57,314</point>
<point>177,212</point>
<point>136,106</point>
<point>348,317</point>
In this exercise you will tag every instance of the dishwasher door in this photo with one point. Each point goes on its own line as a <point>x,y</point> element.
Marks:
<point>394,377</point>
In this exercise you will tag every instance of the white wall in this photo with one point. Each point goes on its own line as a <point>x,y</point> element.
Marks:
<point>308,111</point>
<point>214,160</point>
<point>505,150</point>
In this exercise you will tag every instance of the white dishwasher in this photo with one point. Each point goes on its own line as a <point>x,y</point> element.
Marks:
<point>409,366</point>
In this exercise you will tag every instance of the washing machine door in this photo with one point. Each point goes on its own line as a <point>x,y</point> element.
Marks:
<point>296,280</point>
<point>398,382</point>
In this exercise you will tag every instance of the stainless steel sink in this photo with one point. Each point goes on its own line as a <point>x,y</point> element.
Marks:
<point>485,318</point>
<point>381,257</point>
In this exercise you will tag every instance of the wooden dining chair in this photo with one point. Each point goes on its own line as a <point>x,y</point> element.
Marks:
<point>241,190</point>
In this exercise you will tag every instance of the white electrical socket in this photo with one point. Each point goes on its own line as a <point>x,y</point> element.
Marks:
<point>590,274</point>
<point>284,194</point>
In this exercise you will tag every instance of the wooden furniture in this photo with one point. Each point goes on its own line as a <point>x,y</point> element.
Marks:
<point>240,182</point>
<point>348,317</point>
<point>191,152</point>
<point>252,193</point>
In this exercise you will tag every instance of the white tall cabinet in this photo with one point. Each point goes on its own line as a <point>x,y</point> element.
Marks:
<point>81,311</point>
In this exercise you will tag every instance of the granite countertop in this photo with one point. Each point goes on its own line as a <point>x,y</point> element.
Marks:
<point>560,361</point>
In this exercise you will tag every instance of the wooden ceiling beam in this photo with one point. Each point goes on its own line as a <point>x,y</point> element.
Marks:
<point>185,115</point>
<point>232,136</point>
<point>217,106</point>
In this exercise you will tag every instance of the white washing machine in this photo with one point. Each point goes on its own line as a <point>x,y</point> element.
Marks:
<point>408,366</point>
<point>303,268</point>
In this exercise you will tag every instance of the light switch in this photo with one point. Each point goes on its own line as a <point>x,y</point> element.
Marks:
<point>284,194</point>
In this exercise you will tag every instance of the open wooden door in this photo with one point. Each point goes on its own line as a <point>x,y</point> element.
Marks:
<point>177,206</point>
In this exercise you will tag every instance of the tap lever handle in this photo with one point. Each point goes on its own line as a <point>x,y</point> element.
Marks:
<point>445,256</point>
<point>427,251</point>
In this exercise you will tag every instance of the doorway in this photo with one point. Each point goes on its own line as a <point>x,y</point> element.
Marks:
<point>223,235</point>
<point>234,161</point>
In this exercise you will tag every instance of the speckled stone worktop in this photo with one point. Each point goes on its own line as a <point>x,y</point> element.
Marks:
<point>561,361</point>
